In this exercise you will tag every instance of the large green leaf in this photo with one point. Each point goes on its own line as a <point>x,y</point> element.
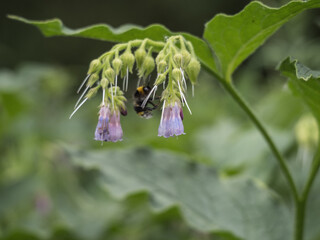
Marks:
<point>234,38</point>
<point>157,32</point>
<point>244,208</point>
<point>213,141</point>
<point>304,83</point>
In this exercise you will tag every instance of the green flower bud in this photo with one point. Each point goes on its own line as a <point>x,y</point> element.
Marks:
<point>127,60</point>
<point>306,131</point>
<point>161,66</point>
<point>186,57</point>
<point>176,74</point>
<point>92,92</point>
<point>94,66</point>
<point>117,64</point>
<point>160,57</point>
<point>177,58</point>
<point>147,67</point>
<point>92,79</point>
<point>104,83</point>
<point>160,79</point>
<point>110,74</point>
<point>140,55</point>
<point>193,70</point>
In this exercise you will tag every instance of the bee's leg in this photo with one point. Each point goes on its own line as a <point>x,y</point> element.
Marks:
<point>154,105</point>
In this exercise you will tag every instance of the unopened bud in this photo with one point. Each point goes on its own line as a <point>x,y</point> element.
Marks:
<point>147,67</point>
<point>123,111</point>
<point>140,55</point>
<point>92,79</point>
<point>127,60</point>
<point>160,57</point>
<point>177,58</point>
<point>176,74</point>
<point>110,74</point>
<point>160,79</point>
<point>306,131</point>
<point>94,66</point>
<point>161,66</point>
<point>92,92</point>
<point>104,83</point>
<point>186,57</point>
<point>117,64</point>
<point>193,70</point>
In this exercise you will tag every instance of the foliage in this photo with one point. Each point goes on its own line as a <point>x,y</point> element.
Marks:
<point>220,178</point>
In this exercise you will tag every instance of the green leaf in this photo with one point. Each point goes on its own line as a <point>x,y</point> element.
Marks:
<point>213,141</point>
<point>156,32</point>
<point>244,208</point>
<point>234,38</point>
<point>304,83</point>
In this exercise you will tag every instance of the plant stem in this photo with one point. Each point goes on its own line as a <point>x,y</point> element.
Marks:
<point>236,96</point>
<point>299,219</point>
<point>312,176</point>
<point>299,203</point>
<point>301,206</point>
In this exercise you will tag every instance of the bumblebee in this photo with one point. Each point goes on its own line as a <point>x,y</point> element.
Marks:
<point>140,95</point>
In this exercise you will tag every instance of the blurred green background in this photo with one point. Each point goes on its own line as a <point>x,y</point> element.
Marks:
<point>43,196</point>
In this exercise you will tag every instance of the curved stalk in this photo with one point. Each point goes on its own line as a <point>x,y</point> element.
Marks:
<point>312,176</point>
<point>283,165</point>
<point>299,203</point>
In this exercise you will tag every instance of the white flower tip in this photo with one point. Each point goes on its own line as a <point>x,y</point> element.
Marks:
<point>192,90</point>
<point>84,81</point>
<point>78,107</point>
<point>147,98</point>
<point>84,92</point>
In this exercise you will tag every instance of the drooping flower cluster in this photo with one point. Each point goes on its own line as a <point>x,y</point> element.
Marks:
<point>175,63</point>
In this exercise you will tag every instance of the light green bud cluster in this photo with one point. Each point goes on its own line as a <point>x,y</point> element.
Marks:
<point>177,63</point>
<point>174,61</point>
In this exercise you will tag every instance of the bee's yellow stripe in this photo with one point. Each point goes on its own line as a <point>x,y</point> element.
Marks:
<point>140,89</point>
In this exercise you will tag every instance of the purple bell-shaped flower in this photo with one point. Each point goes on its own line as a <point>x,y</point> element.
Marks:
<point>115,131</point>
<point>101,133</point>
<point>108,128</point>
<point>171,120</point>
